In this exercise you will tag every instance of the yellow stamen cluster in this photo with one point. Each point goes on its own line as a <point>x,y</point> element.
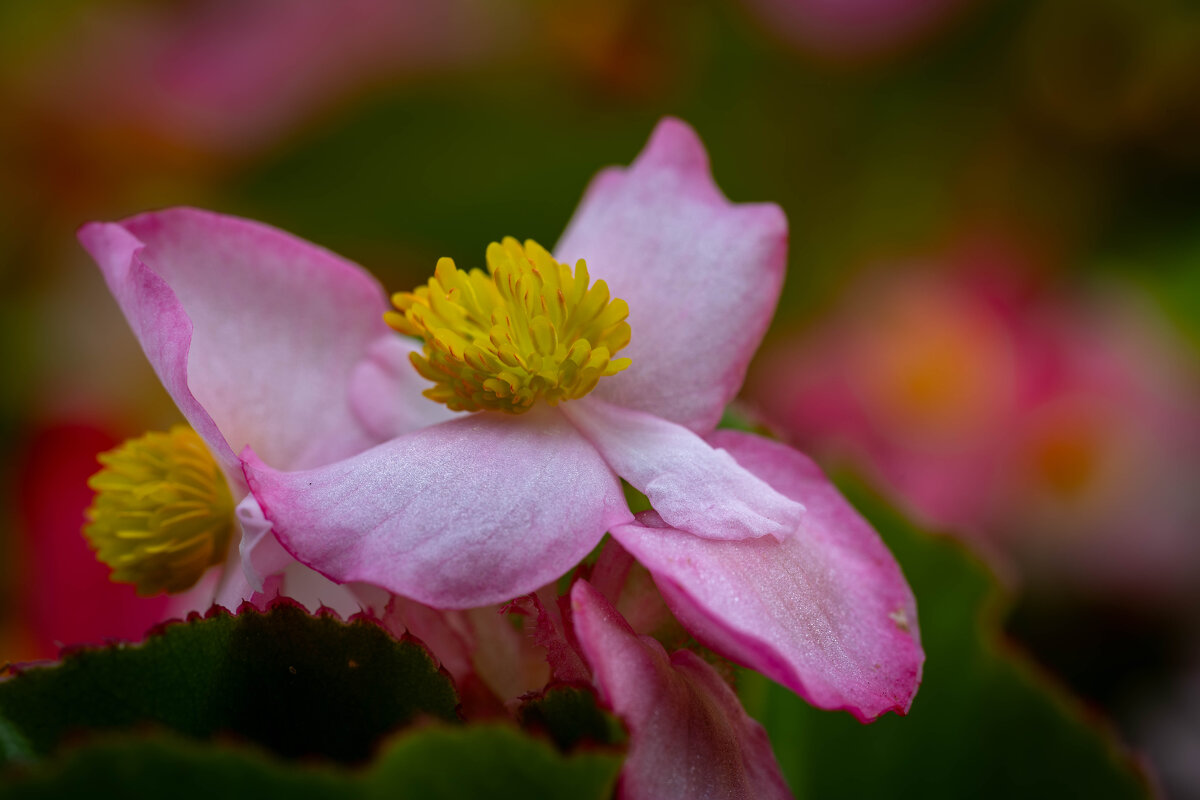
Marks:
<point>526,329</point>
<point>162,513</point>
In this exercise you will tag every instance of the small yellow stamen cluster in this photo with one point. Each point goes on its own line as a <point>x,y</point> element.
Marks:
<point>526,329</point>
<point>162,513</point>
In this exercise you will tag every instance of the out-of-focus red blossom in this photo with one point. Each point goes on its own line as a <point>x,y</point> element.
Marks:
<point>1059,433</point>
<point>854,29</point>
<point>64,595</point>
<point>229,76</point>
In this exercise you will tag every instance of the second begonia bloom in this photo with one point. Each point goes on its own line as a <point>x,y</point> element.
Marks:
<point>296,362</point>
<point>489,505</point>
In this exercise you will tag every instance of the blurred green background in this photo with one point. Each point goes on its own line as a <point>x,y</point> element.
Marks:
<point>1051,149</point>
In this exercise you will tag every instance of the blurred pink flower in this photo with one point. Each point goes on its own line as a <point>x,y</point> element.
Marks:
<point>848,29</point>
<point>1060,432</point>
<point>228,76</point>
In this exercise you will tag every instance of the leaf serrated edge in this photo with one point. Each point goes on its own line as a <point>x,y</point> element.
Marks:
<point>998,598</point>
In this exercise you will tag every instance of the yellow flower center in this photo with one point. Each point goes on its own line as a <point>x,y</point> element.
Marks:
<point>162,513</point>
<point>526,329</point>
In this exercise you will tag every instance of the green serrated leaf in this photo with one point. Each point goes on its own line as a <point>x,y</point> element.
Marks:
<point>296,684</point>
<point>570,716</point>
<point>433,763</point>
<point>984,723</point>
<point>13,745</point>
<point>489,761</point>
<point>168,766</point>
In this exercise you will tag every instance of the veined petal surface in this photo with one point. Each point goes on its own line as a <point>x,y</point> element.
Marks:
<point>701,276</point>
<point>693,485</point>
<point>690,738</point>
<point>826,612</point>
<point>476,510</point>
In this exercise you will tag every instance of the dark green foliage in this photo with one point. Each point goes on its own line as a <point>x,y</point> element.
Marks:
<point>489,761</point>
<point>570,716</point>
<point>293,683</point>
<point>432,763</point>
<point>984,724</point>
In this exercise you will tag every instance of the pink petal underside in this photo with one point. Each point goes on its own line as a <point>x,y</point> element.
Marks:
<point>447,634</point>
<point>229,586</point>
<point>630,588</point>
<point>689,736</point>
<point>553,633</point>
<point>826,613</point>
<point>478,645</point>
<point>701,276</point>
<point>261,554</point>
<point>694,486</point>
<point>254,333</point>
<point>473,511</point>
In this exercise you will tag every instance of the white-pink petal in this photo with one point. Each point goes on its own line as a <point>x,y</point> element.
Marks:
<point>476,510</point>
<point>826,613</point>
<point>701,276</point>
<point>261,554</point>
<point>254,333</point>
<point>689,738</point>
<point>694,486</point>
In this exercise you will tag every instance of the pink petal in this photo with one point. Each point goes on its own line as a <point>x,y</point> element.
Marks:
<point>477,510</point>
<point>826,612</point>
<point>689,736</point>
<point>237,77</point>
<point>490,660</point>
<point>694,486</point>
<point>701,276</point>
<point>385,391</point>
<point>254,333</point>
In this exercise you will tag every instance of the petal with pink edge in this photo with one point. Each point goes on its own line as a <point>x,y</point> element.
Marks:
<point>689,736</point>
<point>826,613</point>
<point>701,276</point>
<point>253,332</point>
<point>473,511</point>
<point>694,486</point>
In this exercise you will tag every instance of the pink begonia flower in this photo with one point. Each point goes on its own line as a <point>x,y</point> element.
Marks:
<point>1058,434</point>
<point>689,735</point>
<point>259,338</point>
<point>752,546</point>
